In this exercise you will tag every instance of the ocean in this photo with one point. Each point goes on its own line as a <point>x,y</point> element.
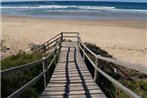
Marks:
<point>90,10</point>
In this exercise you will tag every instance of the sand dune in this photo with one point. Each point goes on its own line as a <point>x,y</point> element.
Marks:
<point>125,40</point>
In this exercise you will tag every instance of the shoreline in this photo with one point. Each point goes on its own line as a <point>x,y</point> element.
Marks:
<point>120,22</point>
<point>124,39</point>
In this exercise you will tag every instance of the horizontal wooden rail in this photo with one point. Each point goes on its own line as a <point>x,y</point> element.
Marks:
<point>56,50</point>
<point>70,32</point>
<point>32,64</point>
<point>53,41</point>
<point>23,88</point>
<point>25,66</point>
<point>55,38</point>
<point>47,44</point>
<point>20,68</point>
<point>71,36</point>
<point>115,82</point>
<point>52,38</point>
<point>137,67</point>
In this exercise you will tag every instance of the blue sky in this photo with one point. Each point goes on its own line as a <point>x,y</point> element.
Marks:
<point>84,0</point>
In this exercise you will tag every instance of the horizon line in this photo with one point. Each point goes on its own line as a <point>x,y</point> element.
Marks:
<point>71,1</point>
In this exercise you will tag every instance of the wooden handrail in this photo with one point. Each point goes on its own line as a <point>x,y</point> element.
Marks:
<point>115,82</point>
<point>32,64</point>
<point>71,36</point>
<point>70,32</point>
<point>52,38</point>
<point>137,67</point>
<point>50,41</point>
<point>47,44</point>
<point>57,48</point>
<point>25,66</point>
<point>20,67</point>
<point>30,83</point>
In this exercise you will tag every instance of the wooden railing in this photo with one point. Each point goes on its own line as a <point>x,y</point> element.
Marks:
<point>57,46</point>
<point>58,39</point>
<point>49,44</point>
<point>6,72</point>
<point>95,64</point>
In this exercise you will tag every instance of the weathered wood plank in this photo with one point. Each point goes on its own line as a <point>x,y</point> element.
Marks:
<point>72,88</point>
<point>70,75</point>
<point>46,92</point>
<point>72,72</point>
<point>71,84</point>
<point>76,96</point>
<point>71,79</point>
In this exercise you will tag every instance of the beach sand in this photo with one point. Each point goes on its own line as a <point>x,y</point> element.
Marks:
<point>124,39</point>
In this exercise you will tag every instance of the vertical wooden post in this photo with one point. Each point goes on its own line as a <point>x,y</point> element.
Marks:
<point>95,71</point>
<point>115,70</point>
<point>61,41</point>
<point>61,36</point>
<point>44,76</point>
<point>44,48</point>
<point>83,54</point>
<point>60,46</point>
<point>55,55</point>
<point>77,38</point>
<point>48,48</point>
<point>78,41</point>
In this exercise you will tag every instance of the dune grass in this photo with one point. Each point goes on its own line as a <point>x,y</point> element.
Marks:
<point>14,81</point>
<point>138,84</point>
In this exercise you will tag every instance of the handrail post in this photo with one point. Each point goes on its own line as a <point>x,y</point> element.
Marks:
<point>95,71</point>
<point>44,47</point>
<point>60,45</point>
<point>48,47</point>
<point>44,76</point>
<point>55,55</point>
<point>77,37</point>
<point>83,54</point>
<point>78,40</point>
<point>61,36</point>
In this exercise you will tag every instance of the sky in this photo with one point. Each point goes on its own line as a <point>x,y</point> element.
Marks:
<point>84,0</point>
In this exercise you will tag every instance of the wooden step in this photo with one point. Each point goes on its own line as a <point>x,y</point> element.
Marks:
<point>70,75</point>
<point>72,88</point>
<point>46,92</point>
<point>71,84</point>
<point>70,72</point>
<point>76,96</point>
<point>70,80</point>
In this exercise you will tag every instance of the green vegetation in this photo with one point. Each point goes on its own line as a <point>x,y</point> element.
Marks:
<point>19,59</point>
<point>135,81</point>
<point>139,87</point>
<point>14,81</point>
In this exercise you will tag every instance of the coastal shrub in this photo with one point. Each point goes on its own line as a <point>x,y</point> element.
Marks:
<point>133,80</point>
<point>14,81</point>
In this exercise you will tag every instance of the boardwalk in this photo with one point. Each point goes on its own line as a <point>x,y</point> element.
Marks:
<point>71,78</point>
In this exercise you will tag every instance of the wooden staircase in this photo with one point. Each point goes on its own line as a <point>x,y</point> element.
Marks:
<point>71,78</point>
